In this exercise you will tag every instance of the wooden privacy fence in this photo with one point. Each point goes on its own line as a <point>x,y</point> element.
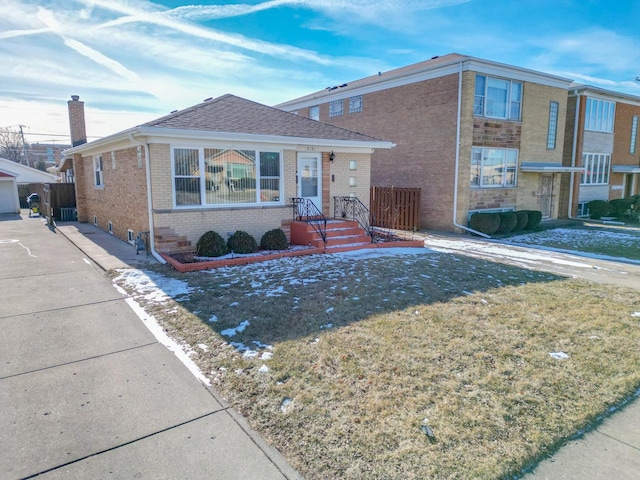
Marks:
<point>397,208</point>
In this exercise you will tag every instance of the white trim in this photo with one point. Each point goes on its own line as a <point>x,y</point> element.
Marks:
<point>131,237</point>
<point>401,78</point>
<point>318,157</point>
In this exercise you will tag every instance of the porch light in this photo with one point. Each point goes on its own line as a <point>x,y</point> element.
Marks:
<point>331,157</point>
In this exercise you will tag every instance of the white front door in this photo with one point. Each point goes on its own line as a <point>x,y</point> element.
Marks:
<point>310,178</point>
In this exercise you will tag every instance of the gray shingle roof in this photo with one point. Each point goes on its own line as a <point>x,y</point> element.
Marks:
<point>231,114</point>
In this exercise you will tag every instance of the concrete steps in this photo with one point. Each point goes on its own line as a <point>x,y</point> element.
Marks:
<point>167,241</point>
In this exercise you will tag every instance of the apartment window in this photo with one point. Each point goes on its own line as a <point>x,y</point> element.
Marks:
<point>353,164</point>
<point>497,98</point>
<point>599,115</point>
<point>494,167</point>
<point>314,113</point>
<point>352,181</point>
<point>634,135</point>
<point>336,108</point>
<point>596,168</point>
<point>355,104</point>
<point>553,126</point>
<point>50,155</point>
<point>231,177</point>
<point>113,160</point>
<point>98,178</point>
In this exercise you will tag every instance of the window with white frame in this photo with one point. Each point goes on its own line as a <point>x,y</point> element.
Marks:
<point>553,126</point>
<point>494,167</point>
<point>110,227</point>
<point>634,135</point>
<point>583,211</point>
<point>596,168</point>
<point>497,98</point>
<point>353,164</point>
<point>98,178</point>
<point>314,112</point>
<point>599,115</point>
<point>336,108</point>
<point>355,104</point>
<point>231,177</point>
<point>130,236</point>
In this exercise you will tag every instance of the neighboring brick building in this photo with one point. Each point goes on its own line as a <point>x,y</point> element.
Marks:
<point>225,164</point>
<point>601,136</point>
<point>49,154</point>
<point>474,135</point>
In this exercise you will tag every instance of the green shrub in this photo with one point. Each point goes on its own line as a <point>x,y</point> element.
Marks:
<point>242,242</point>
<point>508,222</point>
<point>598,209</point>
<point>535,217</point>
<point>620,206</point>
<point>274,240</point>
<point>523,219</point>
<point>211,244</point>
<point>485,222</point>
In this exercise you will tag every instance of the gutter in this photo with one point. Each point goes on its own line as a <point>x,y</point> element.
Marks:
<point>455,185</point>
<point>152,238</point>
<point>573,156</point>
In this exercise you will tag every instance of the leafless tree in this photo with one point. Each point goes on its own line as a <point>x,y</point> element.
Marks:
<point>12,145</point>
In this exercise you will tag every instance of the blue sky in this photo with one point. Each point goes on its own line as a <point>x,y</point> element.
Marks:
<point>135,60</point>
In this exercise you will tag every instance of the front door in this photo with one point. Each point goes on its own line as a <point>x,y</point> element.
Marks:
<point>310,178</point>
<point>546,196</point>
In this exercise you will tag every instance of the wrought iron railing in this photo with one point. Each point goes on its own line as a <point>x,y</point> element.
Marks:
<point>351,208</point>
<point>304,210</point>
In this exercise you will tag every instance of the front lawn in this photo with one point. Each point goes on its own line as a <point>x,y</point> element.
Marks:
<point>343,362</point>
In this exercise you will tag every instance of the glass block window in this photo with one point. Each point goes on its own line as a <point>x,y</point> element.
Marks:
<point>336,108</point>
<point>553,126</point>
<point>355,104</point>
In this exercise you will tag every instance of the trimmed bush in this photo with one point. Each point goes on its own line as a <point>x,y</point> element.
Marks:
<point>242,242</point>
<point>274,240</point>
<point>598,209</point>
<point>211,244</point>
<point>535,217</point>
<point>485,222</point>
<point>508,222</point>
<point>523,220</point>
<point>620,206</point>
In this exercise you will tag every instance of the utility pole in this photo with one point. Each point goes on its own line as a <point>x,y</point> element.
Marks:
<point>25,159</point>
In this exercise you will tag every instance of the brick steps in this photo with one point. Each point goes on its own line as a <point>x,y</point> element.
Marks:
<point>340,234</point>
<point>167,241</point>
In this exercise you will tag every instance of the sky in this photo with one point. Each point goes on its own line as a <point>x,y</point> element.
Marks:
<point>132,61</point>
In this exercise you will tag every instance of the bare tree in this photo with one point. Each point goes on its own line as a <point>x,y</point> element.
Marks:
<point>12,145</point>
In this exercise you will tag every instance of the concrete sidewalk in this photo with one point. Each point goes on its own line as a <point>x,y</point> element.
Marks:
<point>86,391</point>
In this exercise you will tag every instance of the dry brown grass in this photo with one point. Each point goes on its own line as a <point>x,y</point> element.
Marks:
<point>463,343</point>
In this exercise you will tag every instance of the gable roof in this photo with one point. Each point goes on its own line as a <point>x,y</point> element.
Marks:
<point>231,114</point>
<point>435,67</point>
<point>25,174</point>
<point>234,119</point>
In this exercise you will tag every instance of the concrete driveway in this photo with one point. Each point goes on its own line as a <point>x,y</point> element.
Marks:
<point>86,391</point>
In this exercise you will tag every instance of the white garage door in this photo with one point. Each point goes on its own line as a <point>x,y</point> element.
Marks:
<point>8,195</point>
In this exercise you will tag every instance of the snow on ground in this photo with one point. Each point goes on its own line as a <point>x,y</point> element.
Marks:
<point>153,287</point>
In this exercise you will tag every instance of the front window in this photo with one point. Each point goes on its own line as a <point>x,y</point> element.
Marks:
<point>596,168</point>
<point>314,113</point>
<point>497,98</point>
<point>553,126</point>
<point>336,108</point>
<point>494,167</point>
<point>98,178</point>
<point>230,177</point>
<point>599,115</point>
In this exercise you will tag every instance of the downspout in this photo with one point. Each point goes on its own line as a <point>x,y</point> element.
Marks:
<point>455,184</point>
<point>152,240</point>
<point>573,155</point>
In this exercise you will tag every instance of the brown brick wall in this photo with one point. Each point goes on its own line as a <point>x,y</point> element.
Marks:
<point>123,199</point>
<point>421,120</point>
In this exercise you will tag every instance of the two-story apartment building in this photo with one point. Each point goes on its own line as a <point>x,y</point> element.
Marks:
<point>473,134</point>
<point>602,137</point>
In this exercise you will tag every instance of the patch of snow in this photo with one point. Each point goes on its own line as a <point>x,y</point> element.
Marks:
<point>231,332</point>
<point>203,347</point>
<point>151,286</point>
<point>213,318</point>
<point>329,310</point>
<point>285,405</point>
<point>263,369</point>
<point>635,314</point>
<point>234,304</point>
<point>559,355</point>
<point>327,326</point>
<point>266,356</point>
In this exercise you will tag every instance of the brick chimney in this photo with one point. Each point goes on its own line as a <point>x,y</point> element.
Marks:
<point>76,121</point>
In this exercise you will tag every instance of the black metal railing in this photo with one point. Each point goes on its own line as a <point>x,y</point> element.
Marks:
<point>351,208</point>
<point>304,210</point>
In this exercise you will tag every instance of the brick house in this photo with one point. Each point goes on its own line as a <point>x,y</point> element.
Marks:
<point>602,137</point>
<point>225,164</point>
<point>473,134</point>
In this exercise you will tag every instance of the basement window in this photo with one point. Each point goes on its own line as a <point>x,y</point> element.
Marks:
<point>130,236</point>
<point>110,227</point>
